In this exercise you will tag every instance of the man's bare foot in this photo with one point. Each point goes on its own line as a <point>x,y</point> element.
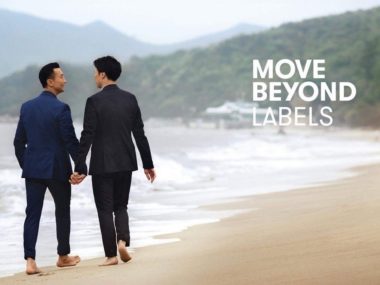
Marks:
<point>124,255</point>
<point>65,260</point>
<point>31,266</point>
<point>109,261</point>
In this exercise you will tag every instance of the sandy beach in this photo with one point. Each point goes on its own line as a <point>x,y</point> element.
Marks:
<point>327,234</point>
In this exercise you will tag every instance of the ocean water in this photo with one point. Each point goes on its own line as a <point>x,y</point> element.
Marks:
<point>195,167</point>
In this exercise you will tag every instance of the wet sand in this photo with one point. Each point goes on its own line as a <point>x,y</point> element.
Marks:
<point>326,234</point>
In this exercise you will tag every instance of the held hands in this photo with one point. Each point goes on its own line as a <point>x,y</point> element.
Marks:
<point>150,174</point>
<point>76,178</point>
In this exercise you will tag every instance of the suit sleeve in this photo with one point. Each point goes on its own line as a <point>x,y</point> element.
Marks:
<point>141,140</point>
<point>87,136</point>
<point>67,132</point>
<point>20,141</point>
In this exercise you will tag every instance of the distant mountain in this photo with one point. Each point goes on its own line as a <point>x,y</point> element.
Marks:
<point>184,83</point>
<point>27,40</point>
<point>214,38</point>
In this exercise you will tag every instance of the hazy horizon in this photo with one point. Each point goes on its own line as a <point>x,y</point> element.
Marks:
<point>170,22</point>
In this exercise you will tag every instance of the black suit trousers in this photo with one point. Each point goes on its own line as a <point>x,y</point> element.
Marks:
<point>111,193</point>
<point>35,193</point>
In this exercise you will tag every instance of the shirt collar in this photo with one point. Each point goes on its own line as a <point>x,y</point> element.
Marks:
<point>48,93</point>
<point>110,87</point>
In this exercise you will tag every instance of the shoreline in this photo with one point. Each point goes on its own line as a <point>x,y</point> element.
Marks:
<point>325,234</point>
<point>172,207</point>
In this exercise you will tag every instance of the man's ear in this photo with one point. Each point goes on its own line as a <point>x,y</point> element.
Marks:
<point>49,82</point>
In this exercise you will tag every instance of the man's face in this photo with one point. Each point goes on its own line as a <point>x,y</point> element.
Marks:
<point>57,81</point>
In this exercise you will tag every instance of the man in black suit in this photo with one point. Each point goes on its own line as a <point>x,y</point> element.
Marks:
<point>111,117</point>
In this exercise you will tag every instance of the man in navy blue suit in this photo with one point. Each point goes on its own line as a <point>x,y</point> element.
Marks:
<point>44,141</point>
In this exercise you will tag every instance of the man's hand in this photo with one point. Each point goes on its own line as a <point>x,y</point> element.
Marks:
<point>76,178</point>
<point>150,174</point>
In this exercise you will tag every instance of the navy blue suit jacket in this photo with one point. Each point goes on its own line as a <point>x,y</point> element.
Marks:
<point>45,138</point>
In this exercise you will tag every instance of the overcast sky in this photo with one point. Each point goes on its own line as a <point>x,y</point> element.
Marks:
<point>167,21</point>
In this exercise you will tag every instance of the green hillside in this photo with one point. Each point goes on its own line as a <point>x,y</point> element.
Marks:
<point>186,82</point>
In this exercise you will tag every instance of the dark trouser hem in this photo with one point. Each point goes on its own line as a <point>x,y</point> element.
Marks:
<point>124,238</point>
<point>64,253</point>
<point>112,255</point>
<point>32,257</point>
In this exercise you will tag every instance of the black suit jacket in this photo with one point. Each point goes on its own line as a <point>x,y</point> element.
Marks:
<point>110,118</point>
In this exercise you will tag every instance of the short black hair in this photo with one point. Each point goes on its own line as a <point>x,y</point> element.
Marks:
<point>46,72</point>
<point>109,65</point>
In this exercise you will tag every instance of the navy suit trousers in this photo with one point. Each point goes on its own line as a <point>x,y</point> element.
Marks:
<point>35,193</point>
